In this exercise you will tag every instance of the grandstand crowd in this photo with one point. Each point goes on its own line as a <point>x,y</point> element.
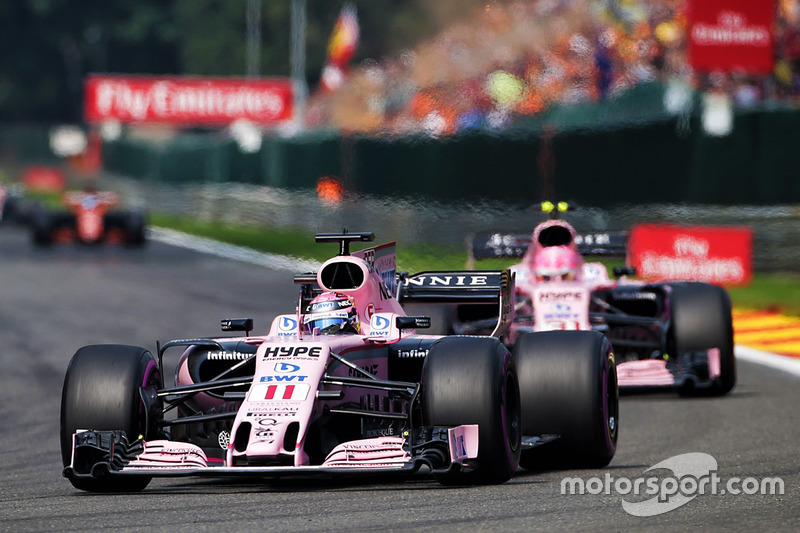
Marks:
<point>515,59</point>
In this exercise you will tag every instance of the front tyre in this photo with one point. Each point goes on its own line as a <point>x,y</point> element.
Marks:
<point>42,226</point>
<point>568,385</point>
<point>101,392</point>
<point>135,228</point>
<point>472,380</point>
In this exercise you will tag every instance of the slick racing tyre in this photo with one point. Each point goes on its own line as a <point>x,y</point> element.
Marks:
<point>101,392</point>
<point>701,319</point>
<point>129,224</point>
<point>472,380</point>
<point>568,386</point>
<point>135,228</point>
<point>43,225</point>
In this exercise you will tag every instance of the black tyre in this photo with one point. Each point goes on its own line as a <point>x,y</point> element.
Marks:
<point>42,224</point>
<point>568,386</point>
<point>701,319</point>
<point>472,380</point>
<point>135,228</point>
<point>101,392</point>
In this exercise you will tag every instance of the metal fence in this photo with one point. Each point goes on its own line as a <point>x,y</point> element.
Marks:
<point>410,220</point>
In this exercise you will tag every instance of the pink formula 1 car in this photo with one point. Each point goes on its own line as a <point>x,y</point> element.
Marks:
<point>667,334</point>
<point>345,385</point>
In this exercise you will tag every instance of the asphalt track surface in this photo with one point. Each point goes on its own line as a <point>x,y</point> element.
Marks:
<point>54,301</point>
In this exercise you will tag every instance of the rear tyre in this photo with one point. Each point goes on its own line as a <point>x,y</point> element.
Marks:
<point>568,386</point>
<point>131,224</point>
<point>472,380</point>
<point>101,392</point>
<point>701,319</point>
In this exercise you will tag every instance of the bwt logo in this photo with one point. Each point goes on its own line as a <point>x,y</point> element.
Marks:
<point>270,379</point>
<point>379,323</point>
<point>379,326</point>
<point>287,324</point>
<point>286,368</point>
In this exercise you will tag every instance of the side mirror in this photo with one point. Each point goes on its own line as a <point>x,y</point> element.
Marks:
<point>624,271</point>
<point>237,324</point>
<point>415,322</point>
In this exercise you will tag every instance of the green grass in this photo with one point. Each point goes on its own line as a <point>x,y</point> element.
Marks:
<point>769,291</point>
<point>298,243</point>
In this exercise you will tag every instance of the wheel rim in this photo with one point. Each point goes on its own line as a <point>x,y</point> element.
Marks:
<point>512,413</point>
<point>611,403</point>
<point>151,377</point>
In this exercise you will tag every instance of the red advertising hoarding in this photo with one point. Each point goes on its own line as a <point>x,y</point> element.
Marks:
<point>187,100</point>
<point>716,254</point>
<point>732,35</point>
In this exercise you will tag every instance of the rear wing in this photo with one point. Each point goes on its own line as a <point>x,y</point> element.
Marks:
<point>500,245</point>
<point>492,287</point>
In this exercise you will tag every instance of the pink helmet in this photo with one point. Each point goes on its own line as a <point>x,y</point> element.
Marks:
<point>332,313</point>
<point>557,263</point>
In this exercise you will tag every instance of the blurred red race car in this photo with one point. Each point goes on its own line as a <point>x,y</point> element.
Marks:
<point>90,218</point>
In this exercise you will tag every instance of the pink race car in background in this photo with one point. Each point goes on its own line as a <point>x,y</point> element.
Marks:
<point>345,385</point>
<point>665,334</point>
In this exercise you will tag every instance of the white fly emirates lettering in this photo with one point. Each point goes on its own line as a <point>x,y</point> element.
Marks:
<point>168,100</point>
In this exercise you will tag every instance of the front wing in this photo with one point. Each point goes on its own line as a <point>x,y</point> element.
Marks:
<point>101,453</point>
<point>109,453</point>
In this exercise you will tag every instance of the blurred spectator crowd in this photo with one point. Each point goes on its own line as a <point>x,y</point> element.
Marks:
<point>515,59</point>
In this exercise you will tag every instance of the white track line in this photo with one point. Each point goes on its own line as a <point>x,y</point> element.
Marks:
<point>780,362</point>
<point>230,251</point>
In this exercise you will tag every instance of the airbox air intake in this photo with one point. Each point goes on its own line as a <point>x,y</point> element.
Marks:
<point>342,275</point>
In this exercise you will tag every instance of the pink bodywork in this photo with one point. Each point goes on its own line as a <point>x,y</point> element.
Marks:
<point>564,305</point>
<point>290,364</point>
<point>556,305</point>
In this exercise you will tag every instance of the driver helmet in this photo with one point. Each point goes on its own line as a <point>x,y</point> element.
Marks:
<point>332,313</point>
<point>556,263</point>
